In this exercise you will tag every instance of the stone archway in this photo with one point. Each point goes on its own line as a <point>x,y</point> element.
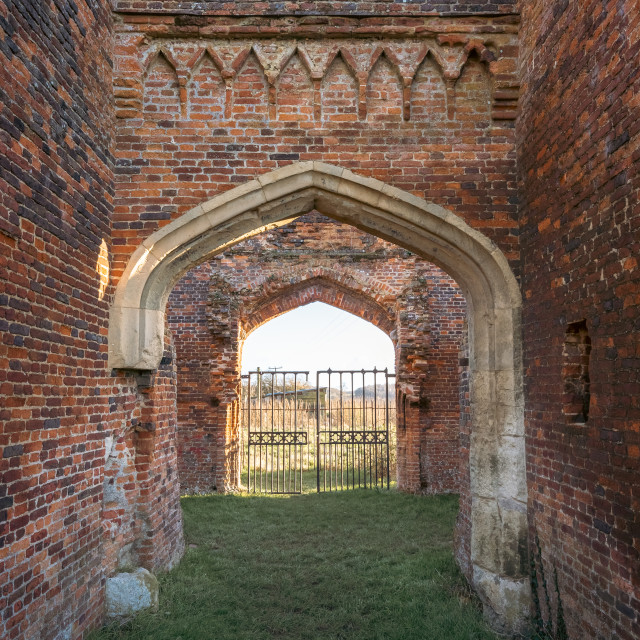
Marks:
<point>497,459</point>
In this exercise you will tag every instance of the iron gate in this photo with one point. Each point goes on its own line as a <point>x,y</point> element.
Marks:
<point>277,430</point>
<point>339,428</point>
<point>352,431</point>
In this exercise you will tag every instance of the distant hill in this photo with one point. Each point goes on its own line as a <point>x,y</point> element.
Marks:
<point>378,390</point>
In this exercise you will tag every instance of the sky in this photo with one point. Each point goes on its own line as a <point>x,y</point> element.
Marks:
<point>317,336</point>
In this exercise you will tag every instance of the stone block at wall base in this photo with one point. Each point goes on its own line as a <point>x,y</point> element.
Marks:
<point>128,593</point>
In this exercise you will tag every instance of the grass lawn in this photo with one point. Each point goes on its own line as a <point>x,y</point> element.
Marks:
<point>360,564</point>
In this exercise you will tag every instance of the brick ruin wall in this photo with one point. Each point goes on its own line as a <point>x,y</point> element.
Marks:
<point>579,159</point>
<point>214,308</point>
<point>84,453</point>
<point>56,197</point>
<point>77,195</point>
<point>377,9</point>
<point>426,105</point>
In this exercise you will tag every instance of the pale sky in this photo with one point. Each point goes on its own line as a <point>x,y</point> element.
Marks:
<point>317,336</point>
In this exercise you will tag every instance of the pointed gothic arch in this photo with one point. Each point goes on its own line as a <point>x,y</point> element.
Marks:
<point>497,458</point>
<point>360,301</point>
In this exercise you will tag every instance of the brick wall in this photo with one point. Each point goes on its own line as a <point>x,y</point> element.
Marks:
<point>426,105</point>
<point>579,152</point>
<point>318,7</point>
<point>56,196</point>
<point>215,306</point>
<point>70,469</point>
<point>423,103</point>
<point>160,543</point>
<point>444,378</point>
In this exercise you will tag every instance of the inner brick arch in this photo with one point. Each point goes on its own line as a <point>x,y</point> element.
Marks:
<point>498,483</point>
<point>223,425</point>
<point>428,385</point>
<point>318,289</point>
<point>409,298</point>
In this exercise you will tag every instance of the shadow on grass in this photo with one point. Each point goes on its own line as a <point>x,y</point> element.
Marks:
<point>358,564</point>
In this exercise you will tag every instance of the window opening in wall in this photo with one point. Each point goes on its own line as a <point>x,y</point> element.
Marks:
<point>319,413</point>
<point>575,373</point>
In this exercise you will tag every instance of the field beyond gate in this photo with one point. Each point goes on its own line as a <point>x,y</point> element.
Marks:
<point>361,565</point>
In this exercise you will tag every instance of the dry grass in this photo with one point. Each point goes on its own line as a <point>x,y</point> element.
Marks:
<point>345,465</point>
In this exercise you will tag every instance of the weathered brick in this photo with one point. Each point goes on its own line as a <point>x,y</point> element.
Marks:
<point>579,222</point>
<point>78,194</point>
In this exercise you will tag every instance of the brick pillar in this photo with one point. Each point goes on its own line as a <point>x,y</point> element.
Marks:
<point>160,544</point>
<point>429,336</point>
<point>203,315</point>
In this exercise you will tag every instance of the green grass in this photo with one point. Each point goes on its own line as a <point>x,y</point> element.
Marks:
<point>329,482</point>
<point>361,564</point>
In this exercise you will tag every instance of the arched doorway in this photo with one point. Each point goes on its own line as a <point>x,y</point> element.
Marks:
<point>498,483</point>
<point>323,379</point>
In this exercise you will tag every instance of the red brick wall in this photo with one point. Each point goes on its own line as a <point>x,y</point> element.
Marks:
<point>441,453</point>
<point>318,7</point>
<point>56,196</point>
<point>579,152</point>
<point>141,516</point>
<point>158,514</point>
<point>430,331</point>
<point>215,306</point>
<point>190,128</point>
<point>71,504</point>
<point>424,104</point>
<point>195,345</point>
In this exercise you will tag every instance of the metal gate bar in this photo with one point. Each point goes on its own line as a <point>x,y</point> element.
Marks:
<point>351,439</point>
